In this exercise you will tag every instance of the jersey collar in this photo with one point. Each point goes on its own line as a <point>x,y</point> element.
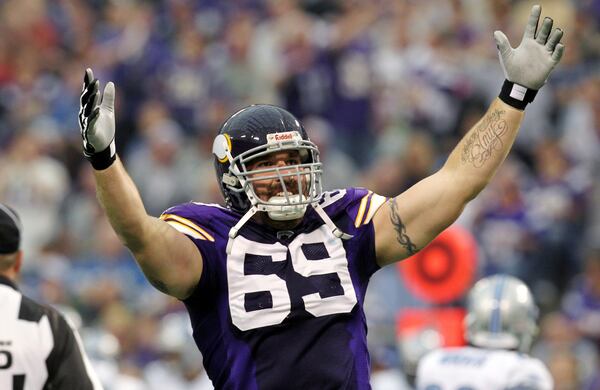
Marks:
<point>8,282</point>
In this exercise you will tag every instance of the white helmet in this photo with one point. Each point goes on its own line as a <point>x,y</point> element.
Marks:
<point>501,314</point>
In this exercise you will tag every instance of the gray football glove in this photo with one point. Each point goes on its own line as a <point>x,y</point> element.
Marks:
<point>97,122</point>
<point>530,64</point>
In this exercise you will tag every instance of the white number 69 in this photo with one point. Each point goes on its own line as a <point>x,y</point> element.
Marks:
<point>241,284</point>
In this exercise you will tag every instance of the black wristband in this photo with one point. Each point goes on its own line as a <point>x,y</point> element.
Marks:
<point>516,95</point>
<point>103,159</point>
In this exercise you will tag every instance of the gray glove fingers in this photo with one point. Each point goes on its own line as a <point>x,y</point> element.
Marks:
<point>87,78</point>
<point>108,98</point>
<point>91,89</point>
<point>89,124</point>
<point>542,35</point>
<point>532,23</point>
<point>558,52</point>
<point>501,42</point>
<point>555,37</point>
<point>81,120</point>
<point>84,106</point>
<point>93,102</point>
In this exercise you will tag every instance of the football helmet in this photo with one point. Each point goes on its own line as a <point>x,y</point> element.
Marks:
<point>256,131</point>
<point>501,313</point>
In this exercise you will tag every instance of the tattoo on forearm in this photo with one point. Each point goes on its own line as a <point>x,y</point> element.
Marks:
<point>401,235</point>
<point>485,139</point>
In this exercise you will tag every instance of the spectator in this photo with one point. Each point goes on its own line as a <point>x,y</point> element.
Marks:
<point>581,303</point>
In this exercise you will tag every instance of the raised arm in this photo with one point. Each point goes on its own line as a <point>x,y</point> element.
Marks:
<point>414,218</point>
<point>170,261</point>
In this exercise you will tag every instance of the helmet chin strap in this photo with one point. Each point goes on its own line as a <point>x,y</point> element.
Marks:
<point>290,209</point>
<point>298,212</point>
<point>334,229</point>
<point>233,232</point>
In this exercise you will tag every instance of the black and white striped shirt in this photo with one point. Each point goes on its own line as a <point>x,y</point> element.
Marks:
<point>38,347</point>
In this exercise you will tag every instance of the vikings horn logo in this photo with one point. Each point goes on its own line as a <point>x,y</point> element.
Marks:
<point>222,147</point>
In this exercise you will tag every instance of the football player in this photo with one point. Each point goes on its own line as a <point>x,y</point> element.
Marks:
<point>500,326</point>
<point>274,280</point>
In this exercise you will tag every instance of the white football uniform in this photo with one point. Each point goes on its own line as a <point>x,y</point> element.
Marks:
<point>38,347</point>
<point>469,368</point>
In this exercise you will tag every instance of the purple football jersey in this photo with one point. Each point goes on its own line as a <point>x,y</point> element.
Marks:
<point>283,312</point>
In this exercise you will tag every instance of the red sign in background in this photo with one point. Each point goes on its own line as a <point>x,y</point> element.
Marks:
<point>439,274</point>
<point>443,271</point>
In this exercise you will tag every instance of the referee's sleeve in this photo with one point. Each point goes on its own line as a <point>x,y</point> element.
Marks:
<point>68,365</point>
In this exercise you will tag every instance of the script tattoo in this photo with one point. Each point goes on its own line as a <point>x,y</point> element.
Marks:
<point>401,235</point>
<point>484,139</point>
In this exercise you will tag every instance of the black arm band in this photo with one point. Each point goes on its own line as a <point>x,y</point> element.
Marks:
<point>103,159</point>
<point>516,95</point>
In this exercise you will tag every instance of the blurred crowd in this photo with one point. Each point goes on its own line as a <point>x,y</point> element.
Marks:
<point>386,88</point>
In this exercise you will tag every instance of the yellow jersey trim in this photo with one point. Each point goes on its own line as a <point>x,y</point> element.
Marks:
<point>361,209</point>
<point>189,224</point>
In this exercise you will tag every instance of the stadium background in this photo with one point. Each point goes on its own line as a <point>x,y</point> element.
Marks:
<point>385,87</point>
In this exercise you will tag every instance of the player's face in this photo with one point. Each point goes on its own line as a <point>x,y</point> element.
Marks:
<point>270,186</point>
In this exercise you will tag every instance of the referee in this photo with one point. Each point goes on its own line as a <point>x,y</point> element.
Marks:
<point>38,347</point>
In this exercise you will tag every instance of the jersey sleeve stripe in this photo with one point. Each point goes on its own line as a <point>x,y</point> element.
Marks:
<point>376,202</point>
<point>179,221</point>
<point>186,230</point>
<point>361,209</point>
